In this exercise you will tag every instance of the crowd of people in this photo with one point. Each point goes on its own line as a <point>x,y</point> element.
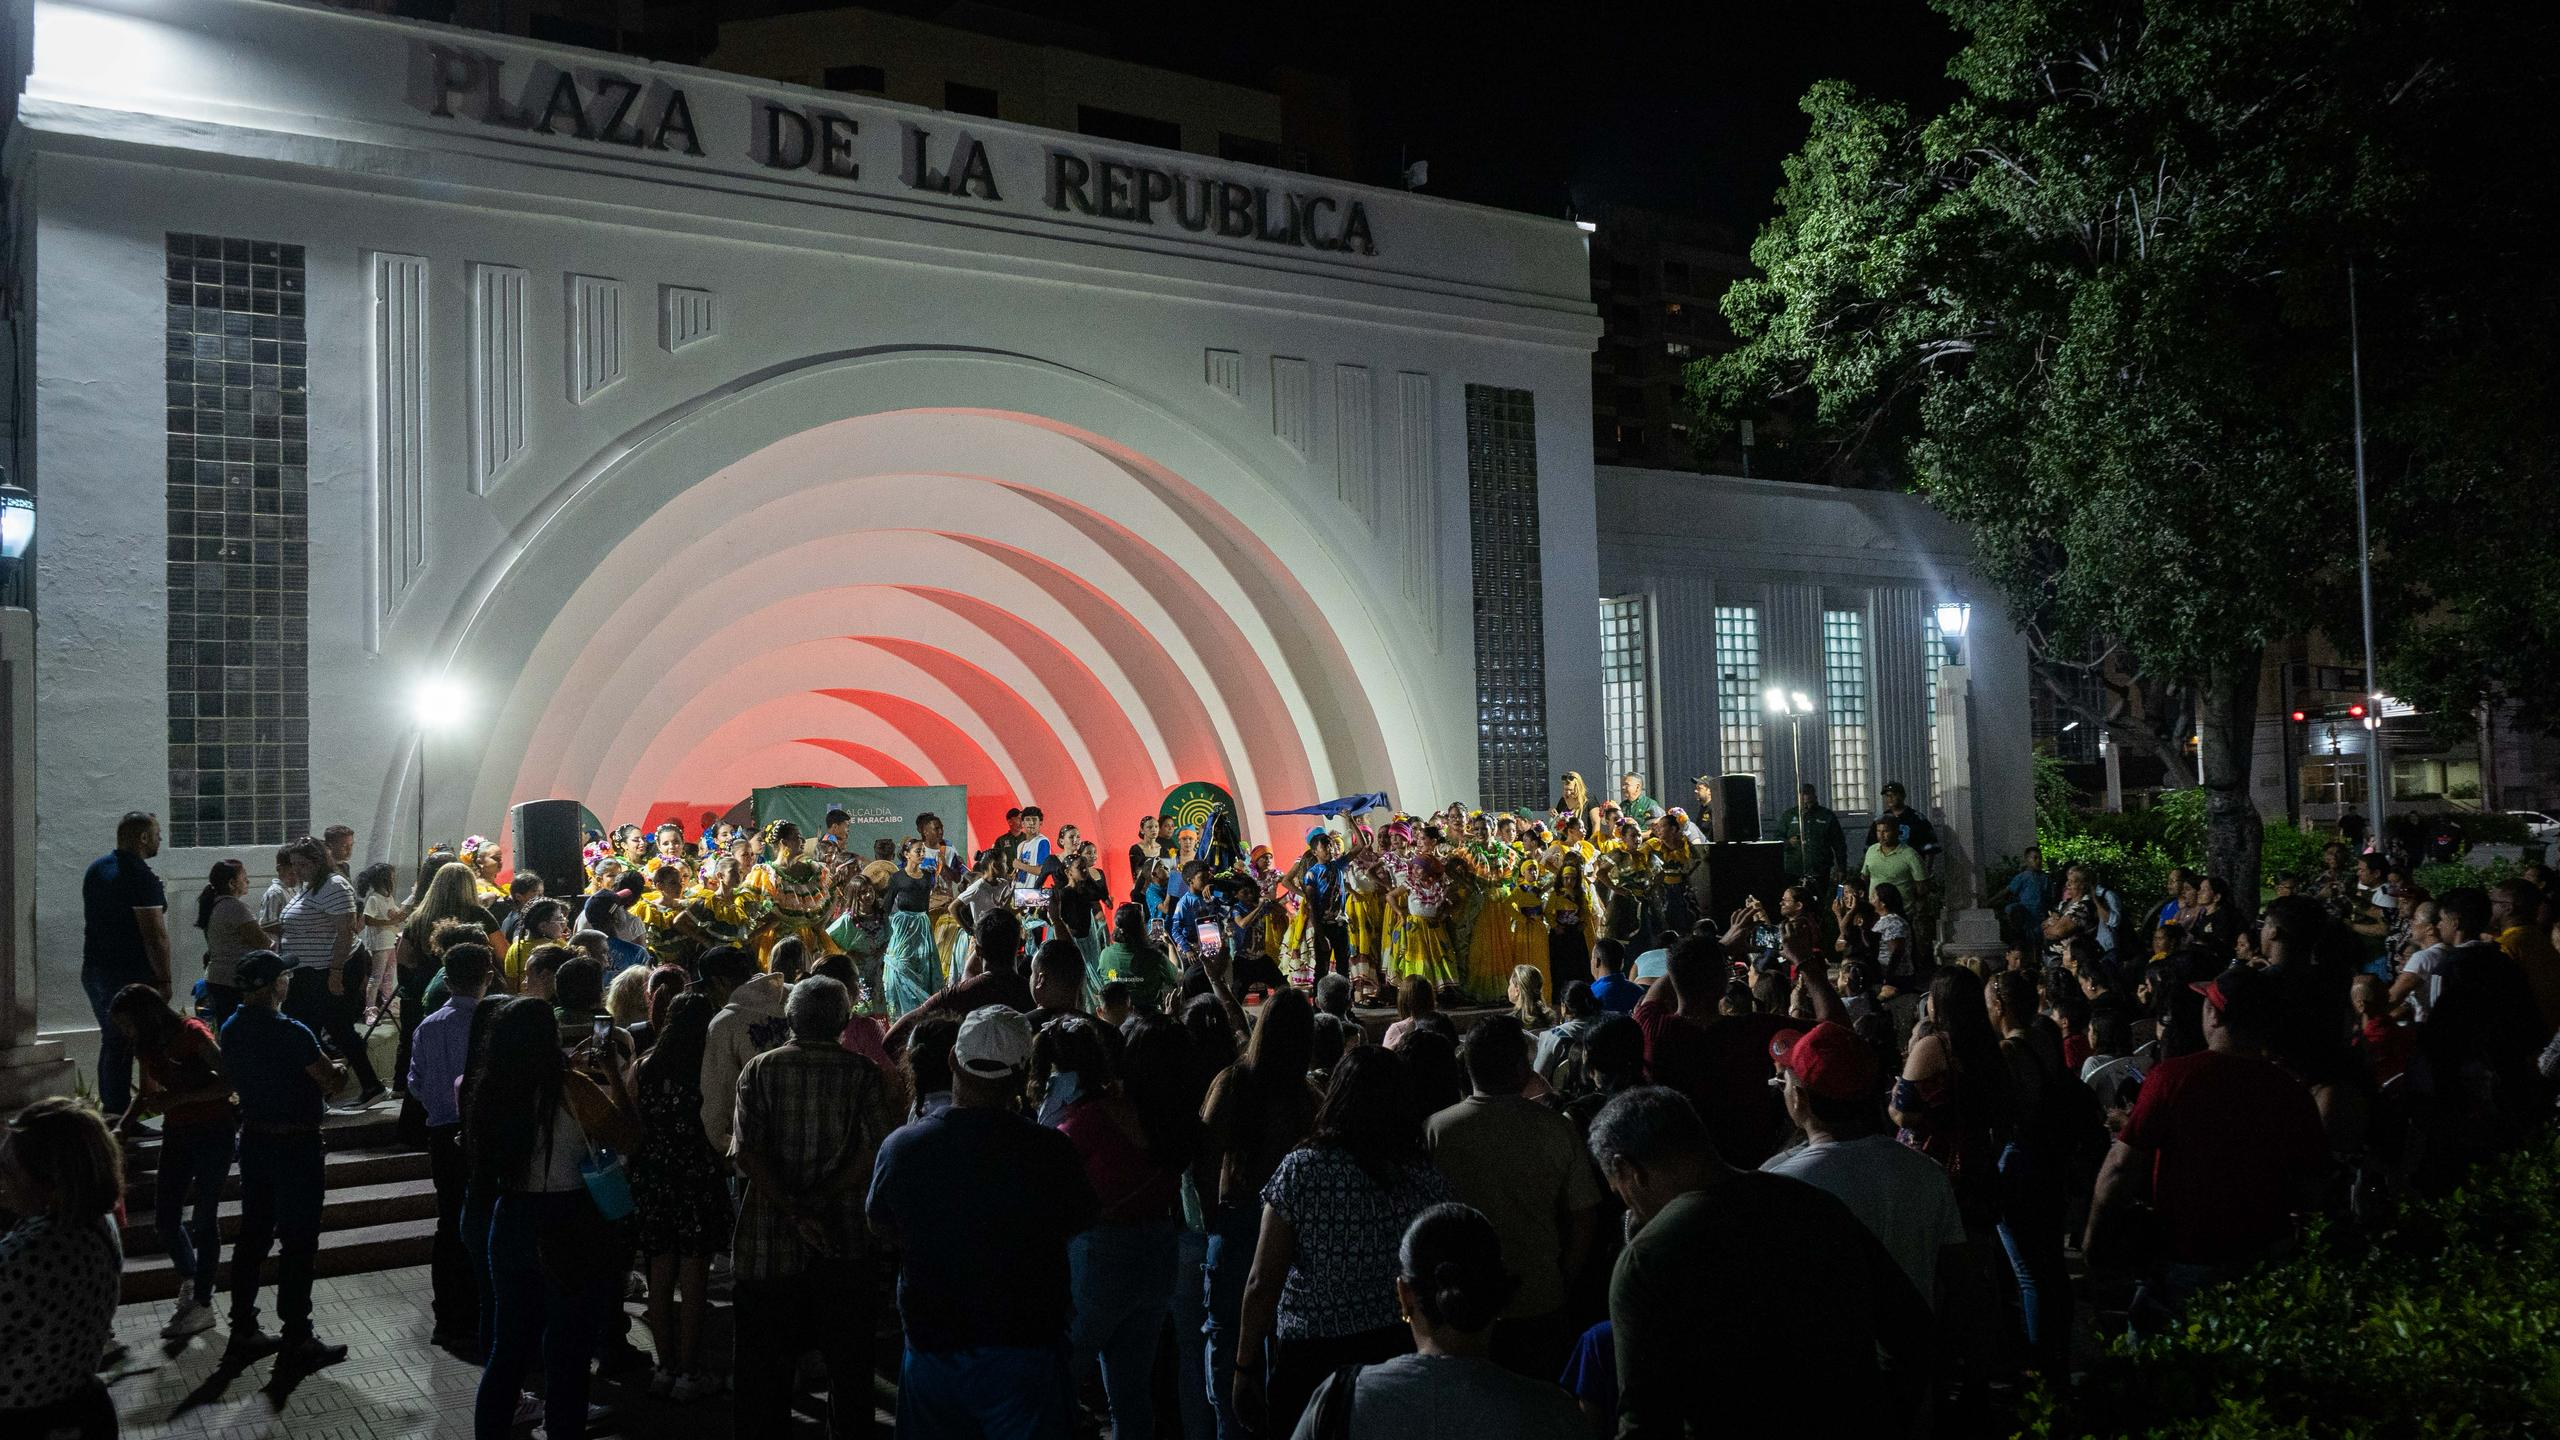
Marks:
<point>1615,1167</point>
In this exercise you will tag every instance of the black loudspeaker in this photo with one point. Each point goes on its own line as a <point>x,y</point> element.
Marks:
<point>547,843</point>
<point>1737,807</point>
<point>1741,869</point>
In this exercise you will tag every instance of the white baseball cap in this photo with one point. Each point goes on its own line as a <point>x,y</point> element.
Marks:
<point>995,1041</point>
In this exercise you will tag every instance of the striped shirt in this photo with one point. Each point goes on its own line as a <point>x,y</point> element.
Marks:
<point>311,921</point>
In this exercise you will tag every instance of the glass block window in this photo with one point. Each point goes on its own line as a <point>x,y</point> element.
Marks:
<point>1626,688</point>
<point>1844,687</point>
<point>238,527</point>
<point>1511,648</point>
<point>1932,654</point>
<point>1738,691</point>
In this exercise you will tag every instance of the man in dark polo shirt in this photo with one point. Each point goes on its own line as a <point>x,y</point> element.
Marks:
<point>125,942</point>
<point>283,1080</point>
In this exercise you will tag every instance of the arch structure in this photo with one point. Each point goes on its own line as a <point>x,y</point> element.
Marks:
<point>917,566</point>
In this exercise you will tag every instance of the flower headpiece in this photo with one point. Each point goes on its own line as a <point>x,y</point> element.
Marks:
<point>472,845</point>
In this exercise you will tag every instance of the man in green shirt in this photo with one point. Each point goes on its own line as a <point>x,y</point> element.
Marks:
<point>1633,802</point>
<point>1890,862</point>
<point>1718,1253</point>
<point>1816,850</point>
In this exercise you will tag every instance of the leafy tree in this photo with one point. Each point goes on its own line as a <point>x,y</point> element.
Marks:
<point>2100,307</point>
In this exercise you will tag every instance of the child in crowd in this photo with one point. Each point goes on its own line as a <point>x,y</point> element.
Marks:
<point>2386,1043</point>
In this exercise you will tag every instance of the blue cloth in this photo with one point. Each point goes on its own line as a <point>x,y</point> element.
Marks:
<point>530,1315</point>
<point>1189,914</point>
<point>1347,805</point>
<point>115,1059</point>
<point>910,968</point>
<point>1322,886</point>
<point>1228,1262</point>
<point>1617,994</point>
<point>269,1056</point>
<point>2031,891</point>
<point>437,1051</point>
<point>983,1203</point>
<point>115,886</point>
<point>992,1393</point>
<point>1592,1374</point>
<point>194,1163</point>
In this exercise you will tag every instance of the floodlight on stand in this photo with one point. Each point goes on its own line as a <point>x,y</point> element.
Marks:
<point>437,702</point>
<point>1803,704</point>
<point>1777,700</point>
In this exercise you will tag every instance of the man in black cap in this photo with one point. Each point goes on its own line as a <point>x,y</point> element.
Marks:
<point>284,1081</point>
<point>2230,1144</point>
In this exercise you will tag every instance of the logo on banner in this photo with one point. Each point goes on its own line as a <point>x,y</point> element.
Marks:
<point>1188,806</point>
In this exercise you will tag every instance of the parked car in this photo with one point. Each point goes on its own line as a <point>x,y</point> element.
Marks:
<point>2538,825</point>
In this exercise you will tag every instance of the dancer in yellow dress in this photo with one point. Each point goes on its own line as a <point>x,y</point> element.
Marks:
<point>1364,911</point>
<point>1491,947</point>
<point>1425,876</point>
<point>796,887</point>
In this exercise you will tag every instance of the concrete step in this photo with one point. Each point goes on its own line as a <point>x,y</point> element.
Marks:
<point>368,1166</point>
<point>348,1207</point>
<point>388,1246</point>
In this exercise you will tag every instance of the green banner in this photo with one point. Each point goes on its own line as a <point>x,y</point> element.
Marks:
<point>888,811</point>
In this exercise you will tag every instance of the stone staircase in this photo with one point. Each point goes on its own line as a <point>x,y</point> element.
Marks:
<point>380,1213</point>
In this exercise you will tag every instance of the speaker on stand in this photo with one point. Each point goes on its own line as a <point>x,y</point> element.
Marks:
<point>1737,814</point>
<point>547,842</point>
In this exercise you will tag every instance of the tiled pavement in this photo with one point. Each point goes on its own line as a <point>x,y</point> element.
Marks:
<point>393,1385</point>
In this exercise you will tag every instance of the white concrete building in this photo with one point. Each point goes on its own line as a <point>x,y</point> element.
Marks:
<point>699,433</point>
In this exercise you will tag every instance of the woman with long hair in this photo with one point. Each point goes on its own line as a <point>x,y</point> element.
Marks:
<point>183,1079</point>
<point>1256,1113</point>
<point>554,1261</point>
<point>1322,1292</point>
<point>1134,1132</point>
<point>1955,1101</point>
<point>682,1192</point>
<point>1576,797</point>
<point>1452,1285</point>
<point>380,914</point>
<point>1529,998</point>
<point>231,930</point>
<point>61,1267</point>
<point>911,966</point>
<point>329,970</point>
<point>1415,998</point>
<point>451,897</point>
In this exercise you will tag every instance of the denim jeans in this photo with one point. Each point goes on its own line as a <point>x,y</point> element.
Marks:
<point>1233,1232</point>
<point>2031,1226</point>
<point>1122,1276</point>
<point>997,1392</point>
<point>193,1163</point>
<point>115,1062</point>
<point>1191,1335</point>
<point>534,1313</point>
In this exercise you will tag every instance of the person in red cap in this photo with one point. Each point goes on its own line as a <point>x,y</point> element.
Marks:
<point>2231,1145</point>
<point>1835,1094</point>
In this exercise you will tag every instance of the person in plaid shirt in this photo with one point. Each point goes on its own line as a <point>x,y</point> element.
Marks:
<point>810,1117</point>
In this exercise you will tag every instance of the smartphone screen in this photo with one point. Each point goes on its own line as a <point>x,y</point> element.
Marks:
<point>1210,938</point>
<point>604,1027</point>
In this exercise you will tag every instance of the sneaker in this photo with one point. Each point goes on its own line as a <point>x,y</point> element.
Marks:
<point>689,1388</point>
<point>661,1381</point>
<point>310,1352</point>
<point>248,1345</point>
<point>528,1409</point>
<point>193,1317</point>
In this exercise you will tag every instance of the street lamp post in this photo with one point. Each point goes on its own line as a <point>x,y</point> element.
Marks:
<point>17,532</point>
<point>1794,705</point>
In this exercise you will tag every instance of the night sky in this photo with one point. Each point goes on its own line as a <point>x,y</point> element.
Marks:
<point>1536,106</point>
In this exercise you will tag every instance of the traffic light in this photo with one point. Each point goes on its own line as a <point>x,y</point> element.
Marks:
<point>2299,717</point>
<point>2355,710</point>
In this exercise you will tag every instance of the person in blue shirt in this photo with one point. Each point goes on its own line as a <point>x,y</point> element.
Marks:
<point>1318,880</point>
<point>124,942</point>
<point>1617,994</point>
<point>2030,893</point>
<point>1193,907</point>
<point>284,1081</point>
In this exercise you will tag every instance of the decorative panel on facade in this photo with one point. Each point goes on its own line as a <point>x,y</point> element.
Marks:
<point>399,431</point>
<point>1418,486</point>
<point>1223,371</point>
<point>1292,404</point>
<point>239,728</point>
<point>595,336</point>
<point>1355,442</point>
<point>1511,649</point>
<point>497,371</point>
<point>686,316</point>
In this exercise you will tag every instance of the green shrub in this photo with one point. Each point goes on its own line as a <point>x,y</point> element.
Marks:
<point>2446,875</point>
<point>2287,849</point>
<point>2444,1322</point>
